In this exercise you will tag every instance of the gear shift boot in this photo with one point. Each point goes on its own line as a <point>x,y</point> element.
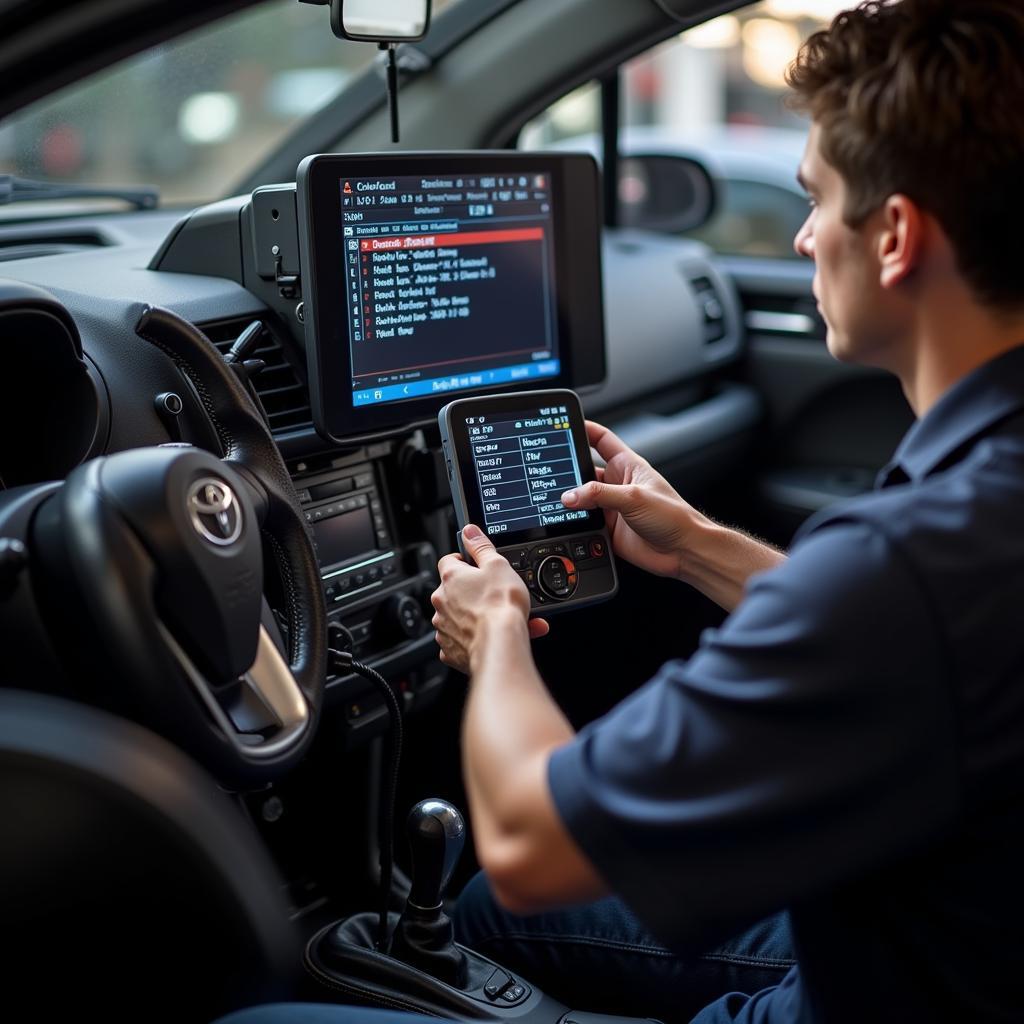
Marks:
<point>426,969</point>
<point>343,956</point>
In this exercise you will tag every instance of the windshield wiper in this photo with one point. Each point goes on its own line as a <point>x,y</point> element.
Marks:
<point>23,190</point>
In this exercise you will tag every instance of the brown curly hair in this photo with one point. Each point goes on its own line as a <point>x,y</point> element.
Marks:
<point>926,98</point>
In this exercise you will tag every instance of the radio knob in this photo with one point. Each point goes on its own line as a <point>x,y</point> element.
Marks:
<point>400,618</point>
<point>557,577</point>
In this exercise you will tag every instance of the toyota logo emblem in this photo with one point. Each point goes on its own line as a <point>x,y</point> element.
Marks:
<point>214,511</point>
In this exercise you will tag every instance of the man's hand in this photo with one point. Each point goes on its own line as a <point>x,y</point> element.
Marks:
<point>475,598</point>
<point>650,524</point>
<point>655,529</point>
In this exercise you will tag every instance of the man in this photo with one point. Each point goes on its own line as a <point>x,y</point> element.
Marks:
<point>850,744</point>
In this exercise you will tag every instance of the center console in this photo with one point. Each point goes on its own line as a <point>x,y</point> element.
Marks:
<point>376,583</point>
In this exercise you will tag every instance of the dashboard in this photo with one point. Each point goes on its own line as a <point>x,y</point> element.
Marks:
<point>477,251</point>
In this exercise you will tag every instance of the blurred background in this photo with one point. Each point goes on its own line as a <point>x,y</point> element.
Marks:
<point>192,116</point>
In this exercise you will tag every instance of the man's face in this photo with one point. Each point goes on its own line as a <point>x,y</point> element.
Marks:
<point>846,279</point>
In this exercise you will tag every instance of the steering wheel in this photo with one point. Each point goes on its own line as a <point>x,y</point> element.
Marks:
<point>159,553</point>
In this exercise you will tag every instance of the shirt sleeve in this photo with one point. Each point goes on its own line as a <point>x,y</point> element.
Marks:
<point>809,741</point>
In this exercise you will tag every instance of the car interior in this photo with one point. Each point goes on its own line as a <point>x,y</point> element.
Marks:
<point>222,507</point>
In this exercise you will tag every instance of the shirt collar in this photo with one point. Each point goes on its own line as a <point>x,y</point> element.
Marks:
<point>969,408</point>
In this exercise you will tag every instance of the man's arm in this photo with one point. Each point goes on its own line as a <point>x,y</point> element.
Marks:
<point>655,529</point>
<point>510,728</point>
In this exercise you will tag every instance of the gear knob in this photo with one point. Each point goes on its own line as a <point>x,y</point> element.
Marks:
<point>437,833</point>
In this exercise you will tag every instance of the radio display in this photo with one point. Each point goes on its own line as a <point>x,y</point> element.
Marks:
<point>345,536</point>
<point>449,284</point>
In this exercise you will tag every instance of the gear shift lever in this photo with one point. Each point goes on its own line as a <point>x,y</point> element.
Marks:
<point>424,937</point>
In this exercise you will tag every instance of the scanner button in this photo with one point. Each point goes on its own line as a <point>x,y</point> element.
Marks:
<point>497,983</point>
<point>557,576</point>
<point>519,559</point>
<point>580,550</point>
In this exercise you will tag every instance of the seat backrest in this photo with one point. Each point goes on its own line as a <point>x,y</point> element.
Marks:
<point>130,885</point>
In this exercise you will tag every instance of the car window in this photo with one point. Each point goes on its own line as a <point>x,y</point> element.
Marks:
<point>715,93</point>
<point>190,116</point>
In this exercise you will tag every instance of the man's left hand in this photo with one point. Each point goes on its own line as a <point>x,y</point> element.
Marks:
<point>472,598</point>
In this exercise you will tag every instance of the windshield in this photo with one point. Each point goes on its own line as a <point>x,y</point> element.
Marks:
<point>193,115</point>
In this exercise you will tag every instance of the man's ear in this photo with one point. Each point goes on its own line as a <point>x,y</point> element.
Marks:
<point>900,240</point>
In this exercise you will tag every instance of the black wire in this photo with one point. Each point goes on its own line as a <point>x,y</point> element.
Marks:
<point>393,91</point>
<point>343,661</point>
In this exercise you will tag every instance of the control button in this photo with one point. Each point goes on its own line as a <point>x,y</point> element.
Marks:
<point>344,582</point>
<point>379,522</point>
<point>514,994</point>
<point>330,510</point>
<point>382,538</point>
<point>580,549</point>
<point>388,568</point>
<point>331,591</point>
<point>399,619</point>
<point>528,577</point>
<point>305,496</point>
<point>364,479</point>
<point>497,983</point>
<point>559,549</point>
<point>375,505</point>
<point>557,576</point>
<point>361,633</point>
<point>361,500</point>
<point>309,517</point>
<point>519,559</point>
<point>359,579</point>
<point>597,548</point>
<point>348,505</point>
<point>541,552</point>
<point>318,514</point>
<point>373,573</point>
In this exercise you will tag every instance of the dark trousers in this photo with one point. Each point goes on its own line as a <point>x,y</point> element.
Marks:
<point>600,957</point>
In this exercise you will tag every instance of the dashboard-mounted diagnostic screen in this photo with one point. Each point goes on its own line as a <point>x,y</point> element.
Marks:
<point>429,276</point>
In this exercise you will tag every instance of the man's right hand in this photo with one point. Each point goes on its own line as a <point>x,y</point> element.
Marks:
<point>655,529</point>
<point>650,524</point>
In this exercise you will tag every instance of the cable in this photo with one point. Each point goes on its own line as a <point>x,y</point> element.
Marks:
<point>343,661</point>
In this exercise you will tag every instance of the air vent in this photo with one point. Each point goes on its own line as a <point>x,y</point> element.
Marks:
<point>279,385</point>
<point>711,307</point>
<point>782,315</point>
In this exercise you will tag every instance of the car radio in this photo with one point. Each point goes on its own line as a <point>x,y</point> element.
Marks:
<point>377,591</point>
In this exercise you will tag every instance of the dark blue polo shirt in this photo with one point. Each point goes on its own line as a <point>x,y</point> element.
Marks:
<point>849,745</point>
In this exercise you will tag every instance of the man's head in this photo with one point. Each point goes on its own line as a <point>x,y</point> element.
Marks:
<point>918,110</point>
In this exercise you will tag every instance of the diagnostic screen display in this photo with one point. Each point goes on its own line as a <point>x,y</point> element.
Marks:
<point>522,464</point>
<point>449,283</point>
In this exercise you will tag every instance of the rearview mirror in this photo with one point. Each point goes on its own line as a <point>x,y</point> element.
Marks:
<point>671,194</point>
<point>380,21</point>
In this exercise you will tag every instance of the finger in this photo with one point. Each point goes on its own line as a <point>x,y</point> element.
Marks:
<point>478,545</point>
<point>538,628</point>
<point>605,442</point>
<point>599,470</point>
<point>449,565</point>
<point>624,498</point>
